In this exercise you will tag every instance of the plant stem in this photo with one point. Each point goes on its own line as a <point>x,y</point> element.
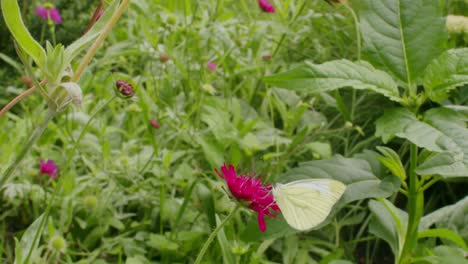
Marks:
<point>358,32</point>
<point>80,136</point>
<point>26,147</point>
<point>41,225</point>
<point>213,235</point>
<point>93,49</point>
<point>415,208</point>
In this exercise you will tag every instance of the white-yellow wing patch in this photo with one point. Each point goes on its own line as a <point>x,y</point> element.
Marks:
<point>306,203</point>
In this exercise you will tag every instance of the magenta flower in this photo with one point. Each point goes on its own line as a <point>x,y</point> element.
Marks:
<point>51,13</point>
<point>266,6</point>
<point>211,65</point>
<point>49,167</point>
<point>124,88</point>
<point>251,190</point>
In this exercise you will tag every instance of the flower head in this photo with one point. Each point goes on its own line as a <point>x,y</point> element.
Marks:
<point>251,190</point>
<point>211,66</point>
<point>266,6</point>
<point>124,88</point>
<point>49,12</point>
<point>49,167</point>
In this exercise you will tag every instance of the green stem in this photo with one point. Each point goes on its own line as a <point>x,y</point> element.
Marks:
<point>213,235</point>
<point>358,32</point>
<point>75,145</point>
<point>26,147</point>
<point>98,43</point>
<point>41,225</point>
<point>415,208</point>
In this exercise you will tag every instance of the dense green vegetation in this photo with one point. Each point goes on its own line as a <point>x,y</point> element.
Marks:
<point>369,93</point>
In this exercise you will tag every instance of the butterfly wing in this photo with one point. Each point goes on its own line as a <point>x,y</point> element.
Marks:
<point>306,203</point>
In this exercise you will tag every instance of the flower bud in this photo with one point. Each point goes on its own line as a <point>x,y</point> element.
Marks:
<point>155,123</point>
<point>90,202</point>
<point>164,57</point>
<point>58,243</point>
<point>124,88</point>
<point>208,88</point>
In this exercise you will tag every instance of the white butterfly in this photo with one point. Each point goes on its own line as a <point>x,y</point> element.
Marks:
<point>307,203</point>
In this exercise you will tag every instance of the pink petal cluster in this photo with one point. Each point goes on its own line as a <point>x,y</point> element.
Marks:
<point>49,167</point>
<point>45,13</point>
<point>124,88</point>
<point>266,6</point>
<point>250,189</point>
<point>211,65</point>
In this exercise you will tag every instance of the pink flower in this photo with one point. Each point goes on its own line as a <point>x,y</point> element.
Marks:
<point>266,6</point>
<point>211,65</point>
<point>251,190</point>
<point>49,167</point>
<point>51,13</point>
<point>155,123</point>
<point>124,88</point>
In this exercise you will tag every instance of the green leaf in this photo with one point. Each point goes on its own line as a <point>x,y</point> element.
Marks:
<point>276,228</point>
<point>391,161</point>
<point>402,36</point>
<point>455,162</point>
<point>446,254</point>
<point>445,73</point>
<point>332,75</point>
<point>451,216</point>
<point>224,244</point>
<point>388,223</point>
<point>445,234</point>
<point>78,45</point>
<point>400,122</point>
<point>12,15</point>
<point>162,243</point>
<point>26,243</point>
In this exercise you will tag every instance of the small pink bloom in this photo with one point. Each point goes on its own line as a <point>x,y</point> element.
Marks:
<point>251,190</point>
<point>124,88</point>
<point>99,14</point>
<point>41,12</point>
<point>211,65</point>
<point>49,167</point>
<point>55,15</point>
<point>155,123</point>
<point>45,13</point>
<point>266,6</point>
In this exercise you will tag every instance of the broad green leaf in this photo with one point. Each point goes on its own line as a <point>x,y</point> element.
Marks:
<point>446,254</point>
<point>391,161</point>
<point>25,245</point>
<point>12,15</point>
<point>162,243</point>
<point>455,162</point>
<point>444,215</point>
<point>445,234</point>
<point>400,122</point>
<point>332,75</point>
<point>451,216</point>
<point>402,36</point>
<point>388,223</point>
<point>445,73</point>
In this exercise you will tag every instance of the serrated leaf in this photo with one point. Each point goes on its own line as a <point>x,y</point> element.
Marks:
<point>400,122</point>
<point>332,75</point>
<point>402,36</point>
<point>455,162</point>
<point>445,73</point>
